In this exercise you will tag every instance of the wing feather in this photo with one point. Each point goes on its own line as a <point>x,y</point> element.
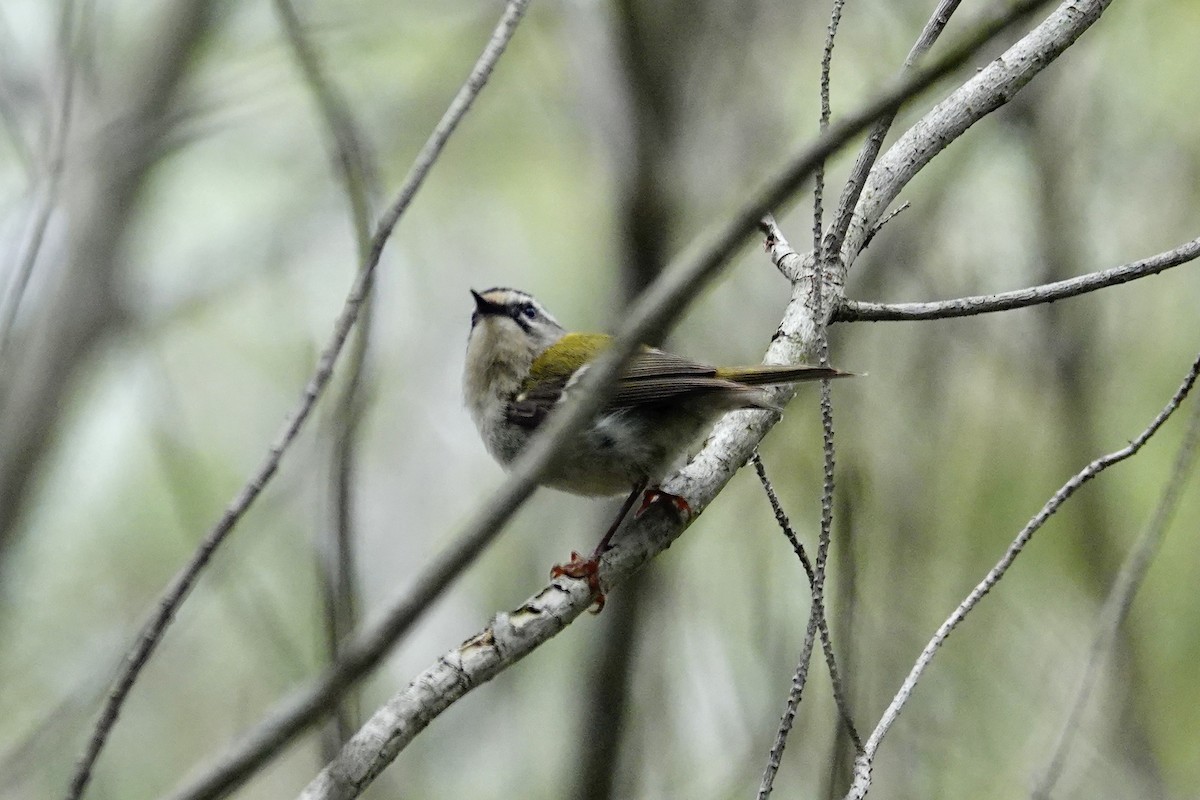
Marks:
<point>653,376</point>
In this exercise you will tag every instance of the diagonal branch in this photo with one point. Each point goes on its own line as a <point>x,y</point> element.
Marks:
<point>870,150</point>
<point>863,764</point>
<point>989,89</point>
<point>859,311</point>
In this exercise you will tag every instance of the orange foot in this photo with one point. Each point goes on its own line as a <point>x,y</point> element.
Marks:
<point>653,496</point>
<point>587,569</point>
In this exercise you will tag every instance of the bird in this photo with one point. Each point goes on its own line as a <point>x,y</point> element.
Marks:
<point>521,365</point>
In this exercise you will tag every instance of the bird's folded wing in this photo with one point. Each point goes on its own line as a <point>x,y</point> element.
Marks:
<point>652,376</point>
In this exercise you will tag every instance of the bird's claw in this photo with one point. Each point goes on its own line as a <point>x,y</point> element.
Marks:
<point>587,569</point>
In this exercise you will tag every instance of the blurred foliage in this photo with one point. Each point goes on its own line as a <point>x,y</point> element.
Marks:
<point>241,252</point>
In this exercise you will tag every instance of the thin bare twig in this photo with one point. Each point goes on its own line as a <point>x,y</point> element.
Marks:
<point>781,517</point>
<point>349,145</point>
<point>858,311</point>
<point>863,764</point>
<point>817,623</point>
<point>1120,598</point>
<point>825,303</point>
<point>548,612</point>
<point>181,584</point>
<point>835,17</point>
<point>792,704</point>
<point>888,217</point>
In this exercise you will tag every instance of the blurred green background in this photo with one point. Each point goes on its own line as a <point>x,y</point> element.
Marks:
<point>610,136</point>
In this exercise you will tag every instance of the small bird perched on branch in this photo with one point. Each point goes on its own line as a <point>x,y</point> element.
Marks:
<point>521,364</point>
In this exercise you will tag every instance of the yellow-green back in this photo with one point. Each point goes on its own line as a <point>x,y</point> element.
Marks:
<point>565,356</point>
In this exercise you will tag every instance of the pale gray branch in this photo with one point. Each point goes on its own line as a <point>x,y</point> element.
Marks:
<point>863,764</point>
<point>870,149</point>
<point>990,88</point>
<point>858,311</point>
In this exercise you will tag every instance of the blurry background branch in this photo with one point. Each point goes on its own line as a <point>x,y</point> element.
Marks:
<point>87,306</point>
<point>52,168</point>
<point>644,133</point>
<point>41,358</point>
<point>335,544</point>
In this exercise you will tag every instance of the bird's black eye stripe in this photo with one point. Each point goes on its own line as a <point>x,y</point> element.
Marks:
<point>522,313</point>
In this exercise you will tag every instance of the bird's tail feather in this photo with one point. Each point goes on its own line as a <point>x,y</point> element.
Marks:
<point>768,374</point>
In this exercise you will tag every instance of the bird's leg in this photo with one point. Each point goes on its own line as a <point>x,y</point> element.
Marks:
<point>657,495</point>
<point>589,568</point>
<point>638,488</point>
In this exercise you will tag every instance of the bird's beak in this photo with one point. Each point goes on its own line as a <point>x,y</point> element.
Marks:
<point>485,307</point>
